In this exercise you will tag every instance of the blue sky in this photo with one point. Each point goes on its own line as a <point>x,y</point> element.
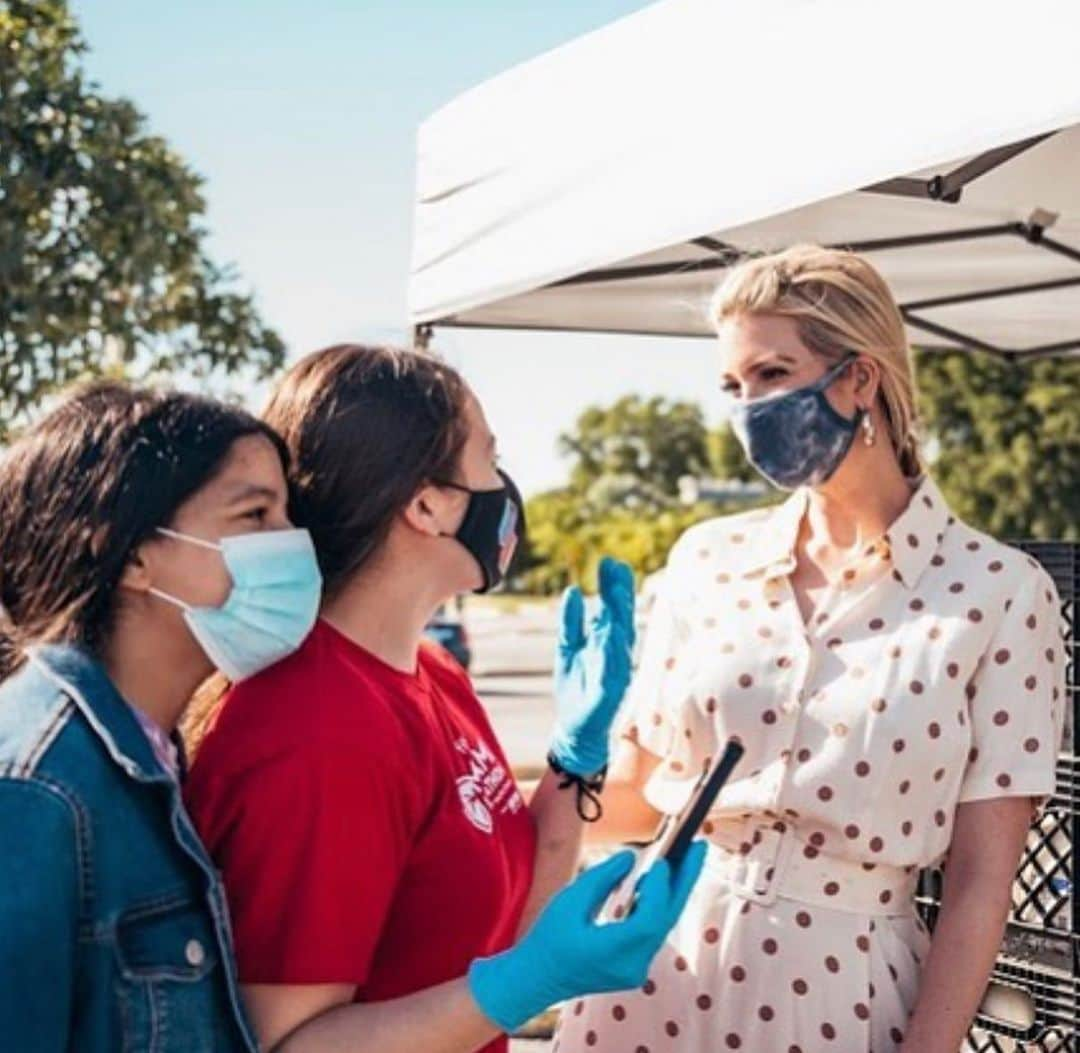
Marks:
<point>301,116</point>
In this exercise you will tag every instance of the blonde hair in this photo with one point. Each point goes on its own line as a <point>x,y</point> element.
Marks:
<point>840,305</point>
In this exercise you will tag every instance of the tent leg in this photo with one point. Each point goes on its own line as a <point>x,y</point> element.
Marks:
<point>421,337</point>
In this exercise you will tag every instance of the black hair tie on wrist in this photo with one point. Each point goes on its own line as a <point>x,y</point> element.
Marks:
<point>588,789</point>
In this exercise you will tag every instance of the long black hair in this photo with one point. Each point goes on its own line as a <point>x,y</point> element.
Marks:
<point>83,488</point>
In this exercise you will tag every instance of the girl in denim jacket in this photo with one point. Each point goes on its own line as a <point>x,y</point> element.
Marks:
<point>145,541</point>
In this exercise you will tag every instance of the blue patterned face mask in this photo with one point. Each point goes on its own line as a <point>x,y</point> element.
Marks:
<point>271,608</point>
<point>796,438</point>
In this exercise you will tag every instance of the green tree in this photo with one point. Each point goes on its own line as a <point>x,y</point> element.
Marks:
<point>637,446</point>
<point>726,457</point>
<point>1005,441</point>
<point>102,261</point>
<point>554,543</point>
<point>567,541</point>
<point>623,496</point>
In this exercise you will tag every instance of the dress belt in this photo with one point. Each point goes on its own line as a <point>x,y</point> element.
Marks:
<point>762,861</point>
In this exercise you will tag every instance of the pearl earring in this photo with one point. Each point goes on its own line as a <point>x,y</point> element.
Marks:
<point>869,431</point>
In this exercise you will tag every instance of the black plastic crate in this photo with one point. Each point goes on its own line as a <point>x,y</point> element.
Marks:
<point>1028,1008</point>
<point>1045,900</point>
<point>1044,926</point>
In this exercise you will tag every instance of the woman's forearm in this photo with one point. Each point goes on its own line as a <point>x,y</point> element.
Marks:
<point>558,843</point>
<point>966,941</point>
<point>442,1019</point>
<point>627,818</point>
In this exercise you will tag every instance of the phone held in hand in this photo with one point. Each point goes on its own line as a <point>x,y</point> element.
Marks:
<point>678,831</point>
<point>687,823</point>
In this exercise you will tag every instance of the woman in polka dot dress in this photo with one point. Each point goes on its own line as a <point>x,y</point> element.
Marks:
<point>895,676</point>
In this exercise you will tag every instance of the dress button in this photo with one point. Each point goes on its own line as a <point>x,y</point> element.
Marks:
<point>194,952</point>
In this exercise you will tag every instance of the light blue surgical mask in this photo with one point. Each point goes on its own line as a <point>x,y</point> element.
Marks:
<point>271,608</point>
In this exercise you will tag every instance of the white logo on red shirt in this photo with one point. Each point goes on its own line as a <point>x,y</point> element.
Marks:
<point>487,789</point>
<point>476,811</point>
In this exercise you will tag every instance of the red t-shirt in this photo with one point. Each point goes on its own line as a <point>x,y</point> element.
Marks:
<point>365,822</point>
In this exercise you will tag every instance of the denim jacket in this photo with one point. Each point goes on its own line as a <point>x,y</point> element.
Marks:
<point>114,932</point>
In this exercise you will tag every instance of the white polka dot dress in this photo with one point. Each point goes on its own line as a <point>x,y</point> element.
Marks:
<point>933,675</point>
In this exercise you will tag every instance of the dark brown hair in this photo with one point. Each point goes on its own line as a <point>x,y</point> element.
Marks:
<point>83,488</point>
<point>365,428</point>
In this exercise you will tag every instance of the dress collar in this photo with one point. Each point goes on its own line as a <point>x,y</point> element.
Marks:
<point>917,533</point>
<point>766,548</point>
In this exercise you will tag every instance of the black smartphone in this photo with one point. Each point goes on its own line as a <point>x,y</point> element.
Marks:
<point>677,833</point>
<point>676,838</point>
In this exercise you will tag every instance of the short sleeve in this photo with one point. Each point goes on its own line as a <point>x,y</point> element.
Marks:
<point>311,845</point>
<point>1017,698</point>
<point>649,719</point>
<point>652,705</point>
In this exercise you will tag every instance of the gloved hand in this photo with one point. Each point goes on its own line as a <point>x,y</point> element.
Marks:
<point>592,670</point>
<point>567,954</point>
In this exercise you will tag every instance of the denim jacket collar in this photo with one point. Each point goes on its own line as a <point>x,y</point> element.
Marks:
<point>81,677</point>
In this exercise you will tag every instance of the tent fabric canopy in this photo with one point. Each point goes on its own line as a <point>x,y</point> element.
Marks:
<point>607,184</point>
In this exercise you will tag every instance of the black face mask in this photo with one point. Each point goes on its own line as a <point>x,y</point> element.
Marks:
<point>493,526</point>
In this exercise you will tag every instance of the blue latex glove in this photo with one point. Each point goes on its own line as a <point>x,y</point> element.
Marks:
<point>592,669</point>
<point>567,953</point>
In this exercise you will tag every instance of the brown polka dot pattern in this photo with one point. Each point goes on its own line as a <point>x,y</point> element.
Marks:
<point>934,677</point>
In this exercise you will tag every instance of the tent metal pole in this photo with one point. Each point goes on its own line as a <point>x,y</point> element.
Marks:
<point>941,237</point>
<point>1046,351</point>
<point>991,294</point>
<point>959,178</point>
<point>1054,246</point>
<point>645,270</point>
<point>1060,350</point>
<point>657,270</point>
<point>1031,232</point>
<point>951,334</point>
<point>721,248</point>
<point>950,186</point>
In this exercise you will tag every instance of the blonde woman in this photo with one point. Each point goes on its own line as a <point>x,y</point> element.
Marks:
<point>895,676</point>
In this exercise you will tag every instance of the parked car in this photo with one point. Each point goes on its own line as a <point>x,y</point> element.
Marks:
<point>448,630</point>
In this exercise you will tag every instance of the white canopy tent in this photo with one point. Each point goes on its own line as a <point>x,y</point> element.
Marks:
<point>605,185</point>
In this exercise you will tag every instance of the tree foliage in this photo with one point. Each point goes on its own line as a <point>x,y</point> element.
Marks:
<point>1006,441</point>
<point>652,442</point>
<point>622,500</point>
<point>102,259</point>
<point>726,457</point>
<point>567,541</point>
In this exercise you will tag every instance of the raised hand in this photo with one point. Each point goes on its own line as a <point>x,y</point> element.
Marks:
<point>592,669</point>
